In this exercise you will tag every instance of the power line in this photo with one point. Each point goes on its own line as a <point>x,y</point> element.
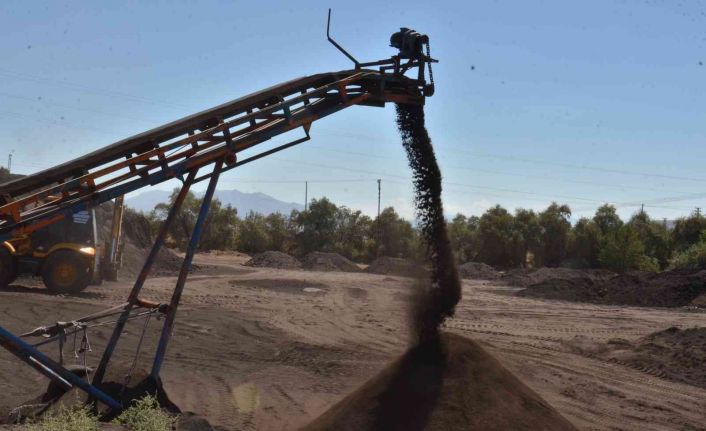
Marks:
<point>66,84</point>
<point>77,108</point>
<point>529,160</point>
<point>470,186</point>
<point>111,93</point>
<point>495,172</point>
<point>584,167</point>
<point>628,203</point>
<point>57,122</point>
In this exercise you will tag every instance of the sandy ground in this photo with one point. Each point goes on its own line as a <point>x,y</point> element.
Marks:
<point>264,349</point>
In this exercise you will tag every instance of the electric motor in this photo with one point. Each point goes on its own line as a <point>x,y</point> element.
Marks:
<point>409,42</point>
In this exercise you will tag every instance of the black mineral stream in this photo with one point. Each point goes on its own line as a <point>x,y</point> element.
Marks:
<point>438,299</point>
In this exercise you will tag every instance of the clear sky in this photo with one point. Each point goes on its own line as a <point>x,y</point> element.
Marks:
<point>578,102</point>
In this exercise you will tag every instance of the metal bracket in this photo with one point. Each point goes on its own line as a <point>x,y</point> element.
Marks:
<point>340,48</point>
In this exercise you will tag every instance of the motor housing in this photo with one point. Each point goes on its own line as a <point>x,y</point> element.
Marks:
<point>409,42</point>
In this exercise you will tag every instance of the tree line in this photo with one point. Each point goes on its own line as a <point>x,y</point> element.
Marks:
<point>500,238</point>
<point>547,238</point>
<point>323,226</point>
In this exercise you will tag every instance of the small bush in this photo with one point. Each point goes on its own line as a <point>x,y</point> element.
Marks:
<point>693,257</point>
<point>67,419</point>
<point>146,415</point>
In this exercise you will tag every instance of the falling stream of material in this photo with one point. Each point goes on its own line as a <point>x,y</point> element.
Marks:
<point>438,300</point>
<point>444,381</point>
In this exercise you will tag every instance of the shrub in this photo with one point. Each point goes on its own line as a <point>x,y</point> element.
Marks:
<point>693,257</point>
<point>67,419</point>
<point>146,415</point>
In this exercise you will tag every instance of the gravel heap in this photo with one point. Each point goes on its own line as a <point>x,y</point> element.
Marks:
<point>274,259</point>
<point>393,266</point>
<point>478,270</point>
<point>677,288</point>
<point>522,277</point>
<point>320,261</point>
<point>458,386</point>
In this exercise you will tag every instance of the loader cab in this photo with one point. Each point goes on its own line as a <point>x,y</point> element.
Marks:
<point>79,229</point>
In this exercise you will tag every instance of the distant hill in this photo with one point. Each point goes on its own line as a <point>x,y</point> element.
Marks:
<point>243,202</point>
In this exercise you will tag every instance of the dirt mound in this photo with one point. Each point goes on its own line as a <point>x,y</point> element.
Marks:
<point>676,288</point>
<point>675,354</point>
<point>478,270</point>
<point>137,241</point>
<point>525,277</point>
<point>274,259</point>
<point>168,263</point>
<point>454,386</point>
<point>320,261</point>
<point>393,266</point>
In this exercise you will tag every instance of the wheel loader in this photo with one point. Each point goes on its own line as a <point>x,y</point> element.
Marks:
<point>67,255</point>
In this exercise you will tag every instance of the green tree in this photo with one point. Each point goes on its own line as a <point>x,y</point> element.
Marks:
<point>184,220</point>
<point>496,238</point>
<point>655,237</point>
<point>554,222</point>
<point>219,231</point>
<point>316,226</point>
<point>352,230</point>
<point>278,231</point>
<point>607,219</point>
<point>585,244</point>
<point>392,235</point>
<point>463,235</point>
<point>687,231</point>
<point>527,235</point>
<point>694,257</point>
<point>622,250</point>
<point>252,234</point>
<point>219,227</point>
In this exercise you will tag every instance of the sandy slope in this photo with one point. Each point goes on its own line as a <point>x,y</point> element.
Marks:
<point>271,349</point>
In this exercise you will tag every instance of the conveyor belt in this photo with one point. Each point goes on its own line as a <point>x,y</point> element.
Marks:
<point>190,143</point>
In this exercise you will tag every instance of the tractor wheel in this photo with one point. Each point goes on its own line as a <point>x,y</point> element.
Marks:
<point>8,267</point>
<point>66,271</point>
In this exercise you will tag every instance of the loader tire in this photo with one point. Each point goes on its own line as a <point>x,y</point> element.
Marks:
<point>8,267</point>
<point>66,271</point>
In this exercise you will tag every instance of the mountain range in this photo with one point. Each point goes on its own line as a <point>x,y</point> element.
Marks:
<point>243,202</point>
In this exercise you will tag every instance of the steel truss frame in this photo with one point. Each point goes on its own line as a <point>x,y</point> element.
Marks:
<point>212,138</point>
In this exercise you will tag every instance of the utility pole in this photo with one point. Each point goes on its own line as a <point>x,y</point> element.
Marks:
<point>698,211</point>
<point>377,248</point>
<point>306,195</point>
<point>379,181</point>
<point>642,208</point>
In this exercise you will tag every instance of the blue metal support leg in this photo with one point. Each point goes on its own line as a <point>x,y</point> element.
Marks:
<point>137,287</point>
<point>50,368</point>
<point>184,272</point>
